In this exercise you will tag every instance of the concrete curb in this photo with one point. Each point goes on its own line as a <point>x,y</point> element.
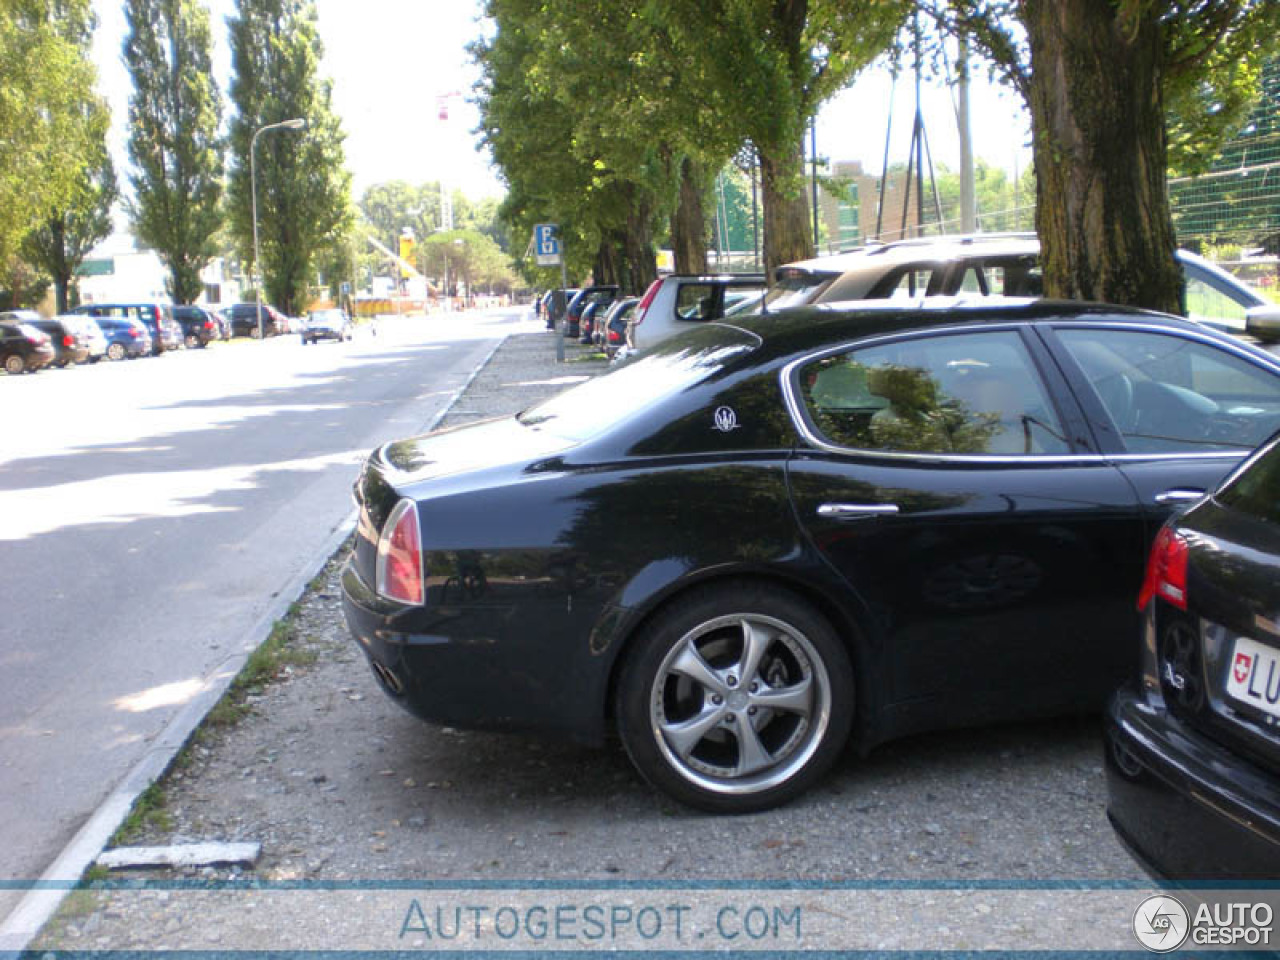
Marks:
<point>35,909</point>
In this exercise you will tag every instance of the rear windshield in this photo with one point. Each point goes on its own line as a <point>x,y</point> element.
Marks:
<point>1255,490</point>
<point>795,289</point>
<point>667,369</point>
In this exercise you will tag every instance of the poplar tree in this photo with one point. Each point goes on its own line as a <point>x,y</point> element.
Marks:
<point>174,115</point>
<point>304,188</point>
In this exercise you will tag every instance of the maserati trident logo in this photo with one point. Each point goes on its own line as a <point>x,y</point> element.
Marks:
<point>726,420</point>
<point>1161,923</point>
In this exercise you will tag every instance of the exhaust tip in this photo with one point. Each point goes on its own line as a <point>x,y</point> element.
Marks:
<point>388,679</point>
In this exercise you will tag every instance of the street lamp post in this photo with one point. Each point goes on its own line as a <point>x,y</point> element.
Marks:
<point>298,123</point>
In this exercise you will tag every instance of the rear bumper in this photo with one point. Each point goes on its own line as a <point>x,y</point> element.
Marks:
<point>475,667</point>
<point>1186,807</point>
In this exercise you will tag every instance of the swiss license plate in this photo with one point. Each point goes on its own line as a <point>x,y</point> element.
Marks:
<point>1254,676</point>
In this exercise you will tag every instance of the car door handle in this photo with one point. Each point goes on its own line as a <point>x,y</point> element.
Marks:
<point>856,511</point>
<point>1179,495</point>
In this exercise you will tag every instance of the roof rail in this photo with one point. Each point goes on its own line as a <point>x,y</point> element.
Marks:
<point>962,238</point>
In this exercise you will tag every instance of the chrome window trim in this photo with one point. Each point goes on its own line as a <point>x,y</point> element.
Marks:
<point>796,409</point>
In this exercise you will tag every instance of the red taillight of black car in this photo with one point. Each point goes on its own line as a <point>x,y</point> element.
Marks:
<point>1166,570</point>
<point>68,340</point>
<point>399,571</point>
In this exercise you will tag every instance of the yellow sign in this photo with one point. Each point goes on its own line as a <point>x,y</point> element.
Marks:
<point>406,254</point>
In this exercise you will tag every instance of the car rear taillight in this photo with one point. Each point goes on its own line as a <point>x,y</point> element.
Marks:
<point>208,325</point>
<point>615,336</point>
<point>1166,570</point>
<point>398,574</point>
<point>133,332</point>
<point>643,306</point>
<point>68,340</point>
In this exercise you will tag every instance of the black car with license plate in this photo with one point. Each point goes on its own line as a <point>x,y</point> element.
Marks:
<point>754,541</point>
<point>1193,758</point>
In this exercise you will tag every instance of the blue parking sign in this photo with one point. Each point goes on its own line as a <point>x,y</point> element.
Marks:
<point>546,244</point>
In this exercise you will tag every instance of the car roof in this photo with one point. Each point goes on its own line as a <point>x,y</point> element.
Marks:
<point>925,248</point>
<point>802,329</point>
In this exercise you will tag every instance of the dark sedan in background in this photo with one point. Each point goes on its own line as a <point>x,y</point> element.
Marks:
<point>758,540</point>
<point>1193,757</point>
<point>23,348</point>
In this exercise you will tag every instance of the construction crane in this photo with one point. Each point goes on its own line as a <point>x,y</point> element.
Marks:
<point>405,265</point>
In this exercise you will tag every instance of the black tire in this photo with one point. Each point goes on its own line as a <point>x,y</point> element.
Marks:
<point>115,351</point>
<point>796,703</point>
<point>14,364</point>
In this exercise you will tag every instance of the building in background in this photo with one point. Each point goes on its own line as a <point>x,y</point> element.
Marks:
<point>118,270</point>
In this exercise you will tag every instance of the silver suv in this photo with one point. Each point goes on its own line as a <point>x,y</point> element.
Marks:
<point>674,302</point>
<point>996,265</point>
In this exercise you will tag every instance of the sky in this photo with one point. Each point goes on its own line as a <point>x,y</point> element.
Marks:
<point>391,59</point>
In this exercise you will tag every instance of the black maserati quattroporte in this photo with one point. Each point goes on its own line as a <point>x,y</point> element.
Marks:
<point>760,540</point>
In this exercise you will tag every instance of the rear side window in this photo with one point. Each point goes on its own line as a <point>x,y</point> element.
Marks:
<point>1256,489</point>
<point>970,393</point>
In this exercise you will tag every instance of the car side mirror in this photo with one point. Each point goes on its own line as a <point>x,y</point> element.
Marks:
<point>1263,322</point>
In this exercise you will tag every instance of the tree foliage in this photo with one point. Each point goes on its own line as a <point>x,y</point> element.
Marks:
<point>59,245</point>
<point>46,83</point>
<point>174,140</point>
<point>768,65</point>
<point>1099,77</point>
<point>303,186</point>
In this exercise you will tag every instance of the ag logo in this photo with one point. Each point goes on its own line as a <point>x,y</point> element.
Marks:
<point>1161,923</point>
<point>1243,663</point>
<point>726,420</point>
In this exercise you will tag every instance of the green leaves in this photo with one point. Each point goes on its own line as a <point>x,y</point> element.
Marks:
<point>46,90</point>
<point>174,141</point>
<point>303,186</point>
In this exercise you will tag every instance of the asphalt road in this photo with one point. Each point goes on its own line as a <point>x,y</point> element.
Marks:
<point>150,512</point>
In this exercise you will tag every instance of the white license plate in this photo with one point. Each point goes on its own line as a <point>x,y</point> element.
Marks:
<point>1254,675</point>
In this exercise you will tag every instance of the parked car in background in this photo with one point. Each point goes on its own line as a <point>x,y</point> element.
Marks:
<point>126,337</point>
<point>1193,745</point>
<point>603,293</point>
<point>87,333</point>
<point>548,304</point>
<point>68,348</point>
<point>156,318</point>
<point>587,322</point>
<point>676,301</point>
<point>330,324</point>
<point>996,264</point>
<point>222,317</point>
<point>199,326</point>
<point>23,348</point>
<point>613,332</point>
<point>244,320</point>
<point>752,541</point>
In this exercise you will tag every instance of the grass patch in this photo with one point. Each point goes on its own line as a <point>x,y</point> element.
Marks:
<point>149,812</point>
<point>587,357</point>
<point>264,665</point>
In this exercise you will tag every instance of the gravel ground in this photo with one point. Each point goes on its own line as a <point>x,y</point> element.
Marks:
<point>340,787</point>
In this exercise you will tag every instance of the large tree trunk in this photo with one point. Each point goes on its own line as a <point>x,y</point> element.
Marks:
<point>786,210</point>
<point>641,264</point>
<point>605,268</point>
<point>689,221</point>
<point>1097,113</point>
